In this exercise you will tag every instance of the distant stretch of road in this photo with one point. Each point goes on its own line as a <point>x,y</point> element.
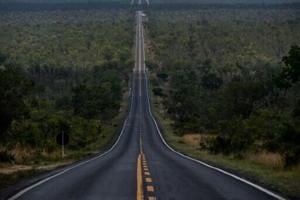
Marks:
<point>140,165</point>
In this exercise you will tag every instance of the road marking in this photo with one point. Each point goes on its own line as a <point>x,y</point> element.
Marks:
<point>30,187</point>
<point>148,180</point>
<point>260,188</point>
<point>140,36</point>
<point>141,142</point>
<point>25,190</point>
<point>136,46</point>
<point>150,188</point>
<point>140,191</point>
<point>20,193</point>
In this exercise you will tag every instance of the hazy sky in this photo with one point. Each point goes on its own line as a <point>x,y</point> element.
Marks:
<point>169,1</point>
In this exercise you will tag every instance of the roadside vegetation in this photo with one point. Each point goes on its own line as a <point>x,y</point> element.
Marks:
<point>61,72</point>
<point>63,1</point>
<point>225,84</point>
<point>224,1</point>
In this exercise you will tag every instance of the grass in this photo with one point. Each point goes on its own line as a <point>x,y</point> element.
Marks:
<point>263,168</point>
<point>10,179</point>
<point>12,173</point>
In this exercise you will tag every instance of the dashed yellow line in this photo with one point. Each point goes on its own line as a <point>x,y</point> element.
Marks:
<point>147,173</point>
<point>143,171</point>
<point>148,180</point>
<point>150,188</point>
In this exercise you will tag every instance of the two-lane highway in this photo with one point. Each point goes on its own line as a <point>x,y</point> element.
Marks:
<point>140,165</point>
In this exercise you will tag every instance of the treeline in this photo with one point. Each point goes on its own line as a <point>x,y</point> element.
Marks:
<point>68,76</point>
<point>234,76</point>
<point>159,1</point>
<point>52,6</point>
<point>227,1</point>
<point>27,7</point>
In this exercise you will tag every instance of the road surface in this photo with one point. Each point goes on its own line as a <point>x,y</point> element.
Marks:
<point>140,165</point>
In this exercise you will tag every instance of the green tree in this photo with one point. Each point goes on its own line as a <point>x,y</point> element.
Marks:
<point>14,87</point>
<point>292,64</point>
<point>286,142</point>
<point>211,81</point>
<point>239,98</point>
<point>233,137</point>
<point>3,58</point>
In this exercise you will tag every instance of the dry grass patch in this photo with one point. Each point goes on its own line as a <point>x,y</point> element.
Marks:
<point>196,139</point>
<point>192,139</point>
<point>9,169</point>
<point>21,154</point>
<point>267,158</point>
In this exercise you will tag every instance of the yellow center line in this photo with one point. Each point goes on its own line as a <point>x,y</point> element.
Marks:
<point>140,192</point>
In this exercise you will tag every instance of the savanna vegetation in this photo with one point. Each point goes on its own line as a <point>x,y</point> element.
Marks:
<point>63,1</point>
<point>249,2</point>
<point>156,1</point>
<point>62,72</point>
<point>226,88</point>
<point>227,1</point>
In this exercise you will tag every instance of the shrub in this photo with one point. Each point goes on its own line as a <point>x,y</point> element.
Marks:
<point>6,157</point>
<point>286,142</point>
<point>233,138</point>
<point>158,92</point>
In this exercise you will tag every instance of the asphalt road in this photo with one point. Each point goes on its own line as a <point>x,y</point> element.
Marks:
<point>140,165</point>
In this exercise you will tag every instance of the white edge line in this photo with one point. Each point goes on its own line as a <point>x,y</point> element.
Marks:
<point>20,193</point>
<point>23,191</point>
<point>276,196</point>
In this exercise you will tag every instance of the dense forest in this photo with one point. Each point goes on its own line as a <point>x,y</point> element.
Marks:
<point>232,75</point>
<point>72,5</point>
<point>156,1</point>
<point>62,72</point>
<point>63,1</point>
<point>227,1</point>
